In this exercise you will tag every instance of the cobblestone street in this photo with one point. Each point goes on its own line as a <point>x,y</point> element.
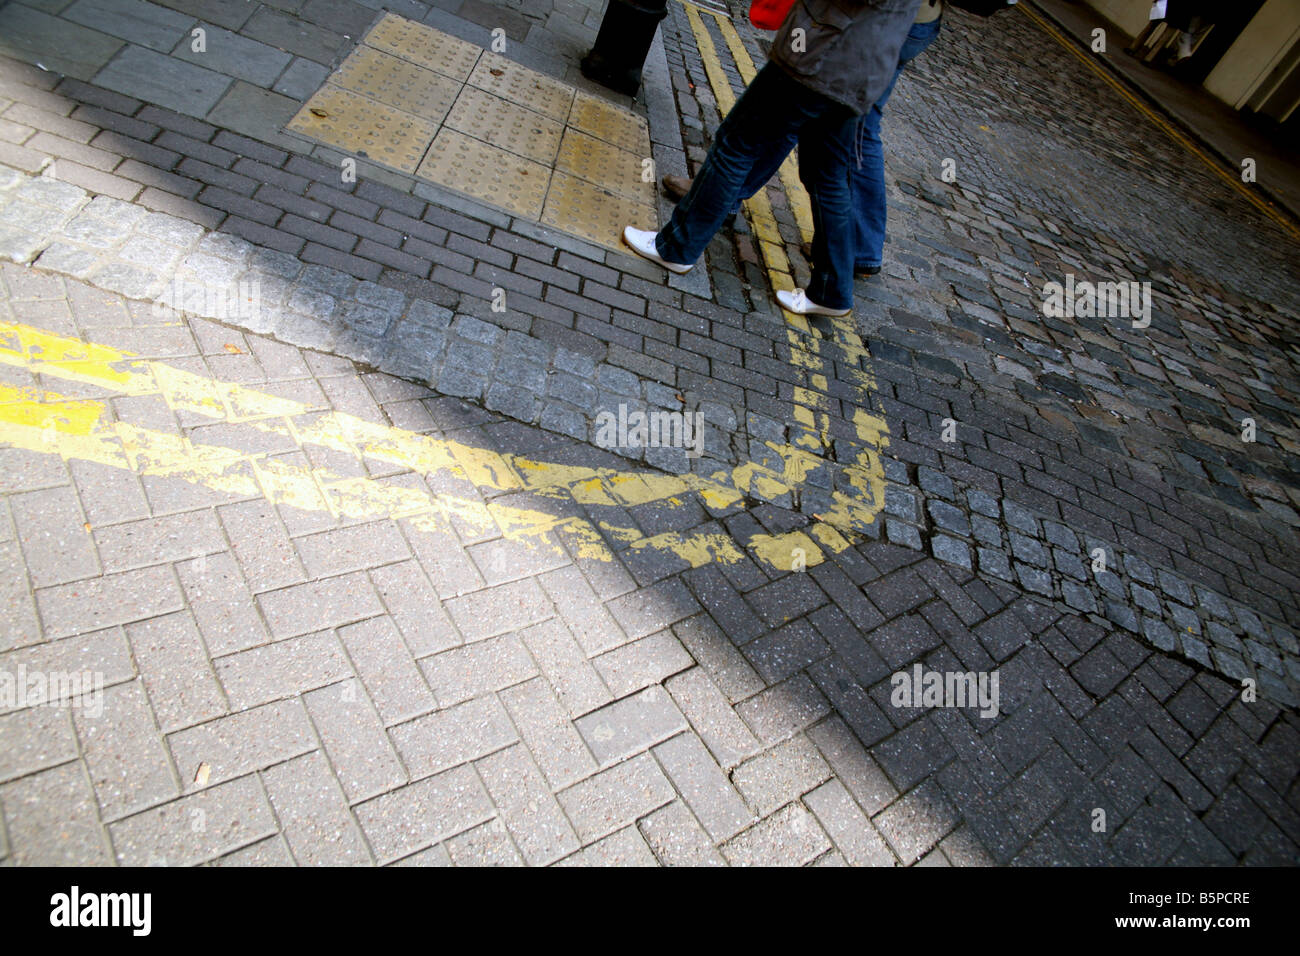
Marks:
<point>306,473</point>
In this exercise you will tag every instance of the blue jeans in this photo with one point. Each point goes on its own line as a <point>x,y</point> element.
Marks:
<point>868,180</point>
<point>754,139</point>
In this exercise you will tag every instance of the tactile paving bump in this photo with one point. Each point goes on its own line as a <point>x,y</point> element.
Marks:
<point>486,172</point>
<point>518,84</point>
<point>608,122</point>
<point>359,125</point>
<point>505,124</point>
<point>397,83</point>
<point>440,52</point>
<point>583,209</point>
<point>618,170</point>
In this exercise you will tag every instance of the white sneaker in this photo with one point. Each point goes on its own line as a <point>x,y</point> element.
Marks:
<point>642,242</point>
<point>799,303</point>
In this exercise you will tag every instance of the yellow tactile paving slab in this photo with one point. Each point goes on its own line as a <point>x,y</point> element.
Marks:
<point>395,82</point>
<point>621,171</point>
<point>584,209</point>
<point>79,429</point>
<point>431,105</point>
<point>518,84</point>
<point>425,46</point>
<point>486,172</point>
<point>360,125</point>
<point>606,121</point>
<point>490,118</point>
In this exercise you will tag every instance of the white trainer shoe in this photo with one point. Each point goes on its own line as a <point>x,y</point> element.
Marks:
<point>642,242</point>
<point>799,303</point>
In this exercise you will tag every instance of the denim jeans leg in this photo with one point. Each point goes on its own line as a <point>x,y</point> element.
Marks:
<point>758,133</point>
<point>825,157</point>
<point>868,180</point>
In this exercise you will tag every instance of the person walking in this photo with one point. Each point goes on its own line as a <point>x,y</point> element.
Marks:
<point>867,177</point>
<point>830,62</point>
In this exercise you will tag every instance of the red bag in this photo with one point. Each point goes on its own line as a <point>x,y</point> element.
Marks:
<point>769,14</point>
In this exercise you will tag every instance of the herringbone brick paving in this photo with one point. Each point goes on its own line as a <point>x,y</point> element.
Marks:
<point>355,701</point>
<point>367,691</point>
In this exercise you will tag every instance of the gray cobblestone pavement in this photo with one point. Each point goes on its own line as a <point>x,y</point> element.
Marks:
<point>350,684</point>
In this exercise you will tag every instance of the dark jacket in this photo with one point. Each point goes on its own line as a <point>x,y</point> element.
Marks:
<point>848,50</point>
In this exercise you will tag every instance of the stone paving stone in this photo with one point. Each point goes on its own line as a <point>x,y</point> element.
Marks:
<point>222,606</point>
<point>316,604</point>
<point>112,599</point>
<point>159,540</point>
<point>506,607</point>
<point>41,737</point>
<point>233,55</point>
<point>486,845</point>
<point>527,807</point>
<point>621,849</point>
<point>198,827</point>
<point>651,660</point>
<point>384,664</point>
<point>615,797</point>
<point>355,742</point>
<point>283,669</point>
<point>711,716</point>
<point>144,23</point>
<point>847,826</point>
<point>264,551</point>
<point>269,852</point>
<point>349,549</point>
<point>56,548</point>
<point>234,745</point>
<point>50,819</point>
<point>105,655</point>
<point>576,683</point>
<point>18,623</point>
<point>415,608</point>
<point>313,813</point>
<point>704,787</point>
<point>36,36</point>
<point>853,765</point>
<point>453,736</point>
<point>652,609</point>
<point>918,821</point>
<point>433,856</point>
<point>546,729</point>
<point>155,78</point>
<point>475,669</point>
<point>677,839</point>
<point>777,776</point>
<point>630,725</point>
<point>783,710</point>
<point>129,768</point>
<point>790,836</point>
<point>173,662</point>
<point>426,812</point>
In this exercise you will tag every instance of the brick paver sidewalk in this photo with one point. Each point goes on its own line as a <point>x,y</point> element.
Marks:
<point>361,587</point>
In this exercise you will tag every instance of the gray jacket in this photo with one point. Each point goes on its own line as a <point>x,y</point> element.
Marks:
<point>848,50</point>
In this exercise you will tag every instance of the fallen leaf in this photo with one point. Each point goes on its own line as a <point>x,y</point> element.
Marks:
<point>201,778</point>
<point>234,349</point>
<point>497,72</point>
<point>87,527</point>
<point>317,111</point>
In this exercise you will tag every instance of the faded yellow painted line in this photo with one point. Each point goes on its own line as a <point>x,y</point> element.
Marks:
<point>1169,129</point>
<point>44,421</point>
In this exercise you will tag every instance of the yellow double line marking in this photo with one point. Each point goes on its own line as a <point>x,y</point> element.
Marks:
<point>41,420</point>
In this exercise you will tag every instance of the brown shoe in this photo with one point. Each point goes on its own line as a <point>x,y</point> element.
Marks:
<point>676,187</point>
